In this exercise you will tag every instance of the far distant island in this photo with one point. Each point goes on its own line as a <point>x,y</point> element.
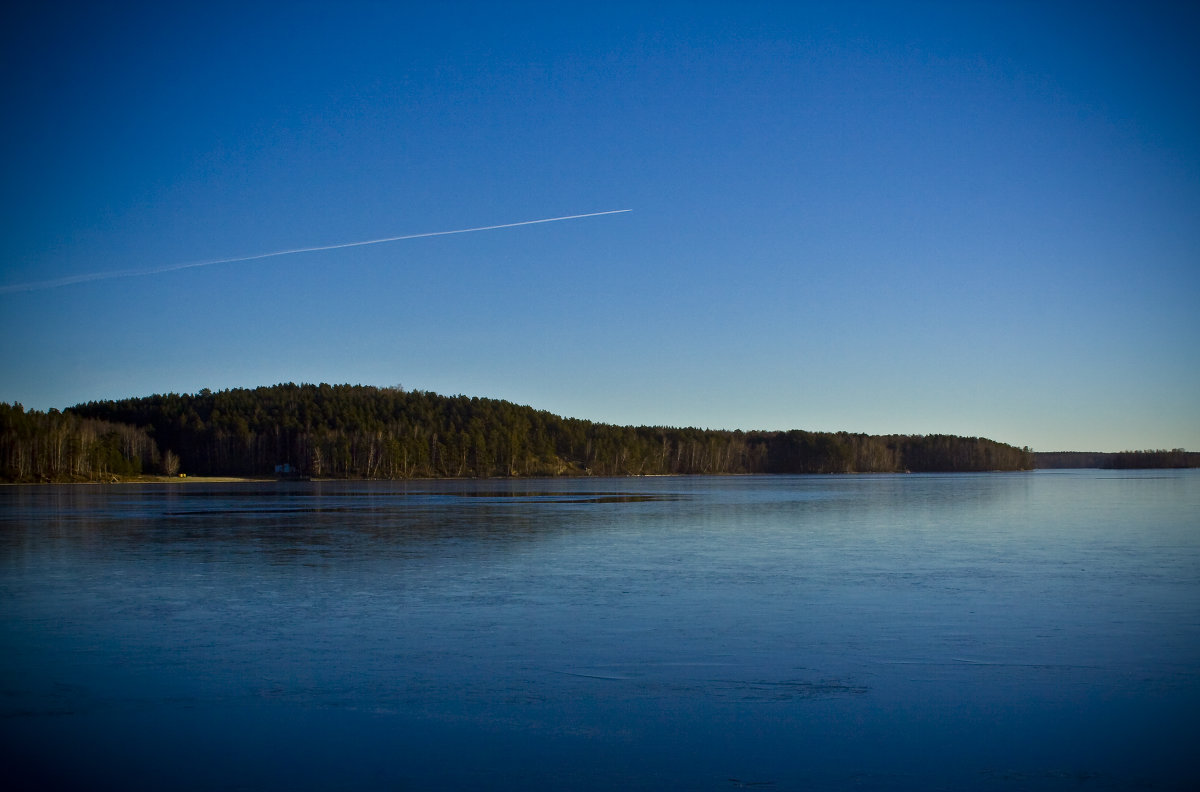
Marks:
<point>363,432</point>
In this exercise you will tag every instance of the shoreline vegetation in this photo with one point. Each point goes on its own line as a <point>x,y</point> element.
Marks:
<point>148,479</point>
<point>360,432</point>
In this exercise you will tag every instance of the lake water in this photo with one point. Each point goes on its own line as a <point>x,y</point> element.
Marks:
<point>1027,631</point>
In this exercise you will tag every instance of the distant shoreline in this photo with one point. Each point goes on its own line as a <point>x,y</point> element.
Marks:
<point>152,479</point>
<point>186,480</point>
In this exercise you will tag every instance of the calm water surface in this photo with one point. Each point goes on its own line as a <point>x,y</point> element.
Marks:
<point>999,632</point>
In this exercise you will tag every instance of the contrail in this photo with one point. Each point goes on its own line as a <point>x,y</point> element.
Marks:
<point>129,273</point>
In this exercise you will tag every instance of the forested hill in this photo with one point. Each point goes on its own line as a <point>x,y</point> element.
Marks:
<point>367,432</point>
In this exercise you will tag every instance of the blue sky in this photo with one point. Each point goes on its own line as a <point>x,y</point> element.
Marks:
<point>979,219</point>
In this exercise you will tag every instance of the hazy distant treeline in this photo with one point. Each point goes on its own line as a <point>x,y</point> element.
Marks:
<point>366,432</point>
<point>1122,460</point>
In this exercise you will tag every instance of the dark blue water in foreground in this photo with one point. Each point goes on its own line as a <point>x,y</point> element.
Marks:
<point>998,632</point>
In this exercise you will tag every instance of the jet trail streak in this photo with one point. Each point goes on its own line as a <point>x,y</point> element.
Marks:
<point>94,276</point>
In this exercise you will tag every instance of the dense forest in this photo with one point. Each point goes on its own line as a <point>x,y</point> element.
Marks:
<point>349,431</point>
<point>57,446</point>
